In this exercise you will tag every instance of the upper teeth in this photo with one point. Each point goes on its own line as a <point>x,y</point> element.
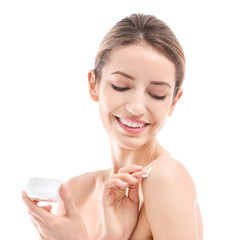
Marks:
<point>132,124</point>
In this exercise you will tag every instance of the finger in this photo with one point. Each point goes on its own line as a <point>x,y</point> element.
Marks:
<point>48,208</point>
<point>113,189</point>
<point>126,177</point>
<point>36,220</point>
<point>140,175</point>
<point>133,191</point>
<point>41,227</point>
<point>114,183</point>
<point>35,201</point>
<point>37,228</point>
<point>35,214</point>
<point>130,169</point>
<point>133,194</point>
<point>41,213</point>
<point>69,205</point>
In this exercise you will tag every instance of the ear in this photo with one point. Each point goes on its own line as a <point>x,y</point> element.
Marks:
<point>93,86</point>
<point>174,102</point>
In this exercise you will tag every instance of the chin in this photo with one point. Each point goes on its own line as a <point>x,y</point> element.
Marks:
<point>130,143</point>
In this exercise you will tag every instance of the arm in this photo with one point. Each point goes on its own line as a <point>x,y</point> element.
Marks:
<point>170,202</point>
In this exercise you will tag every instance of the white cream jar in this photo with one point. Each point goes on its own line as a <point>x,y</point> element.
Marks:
<point>44,189</point>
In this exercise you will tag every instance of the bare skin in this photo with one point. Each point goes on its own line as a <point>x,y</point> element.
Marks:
<point>136,87</point>
<point>86,190</point>
<point>163,214</point>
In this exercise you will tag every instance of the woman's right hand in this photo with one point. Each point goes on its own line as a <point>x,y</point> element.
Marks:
<point>70,226</point>
<point>120,203</point>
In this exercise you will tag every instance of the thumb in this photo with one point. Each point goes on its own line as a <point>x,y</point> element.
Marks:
<point>65,196</point>
<point>133,193</point>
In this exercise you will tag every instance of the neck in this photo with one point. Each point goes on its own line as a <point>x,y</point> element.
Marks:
<point>141,156</point>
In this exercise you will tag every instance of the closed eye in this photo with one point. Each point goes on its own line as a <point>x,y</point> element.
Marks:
<point>157,97</point>
<point>119,88</point>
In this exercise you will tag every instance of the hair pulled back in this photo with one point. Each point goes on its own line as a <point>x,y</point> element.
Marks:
<point>142,28</point>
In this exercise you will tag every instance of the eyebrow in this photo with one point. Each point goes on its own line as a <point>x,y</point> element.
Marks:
<point>159,83</point>
<point>123,74</point>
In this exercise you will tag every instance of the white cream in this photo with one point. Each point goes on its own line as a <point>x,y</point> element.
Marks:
<point>148,171</point>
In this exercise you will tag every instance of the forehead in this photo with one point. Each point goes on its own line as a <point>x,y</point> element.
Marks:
<point>141,61</point>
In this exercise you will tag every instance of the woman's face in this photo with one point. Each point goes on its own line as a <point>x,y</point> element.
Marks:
<point>135,94</point>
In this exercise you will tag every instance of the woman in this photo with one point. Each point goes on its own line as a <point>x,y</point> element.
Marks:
<point>139,70</point>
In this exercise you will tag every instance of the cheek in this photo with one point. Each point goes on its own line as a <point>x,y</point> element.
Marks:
<point>160,117</point>
<point>160,114</point>
<point>161,110</point>
<point>107,105</point>
<point>110,100</point>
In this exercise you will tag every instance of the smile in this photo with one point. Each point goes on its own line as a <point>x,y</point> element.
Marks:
<point>131,126</point>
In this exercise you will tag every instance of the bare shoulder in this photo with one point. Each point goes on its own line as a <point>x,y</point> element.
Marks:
<point>170,201</point>
<point>81,181</point>
<point>169,173</point>
<point>81,186</point>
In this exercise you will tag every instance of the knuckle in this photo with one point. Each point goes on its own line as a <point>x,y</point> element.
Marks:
<point>120,170</point>
<point>113,177</point>
<point>123,169</point>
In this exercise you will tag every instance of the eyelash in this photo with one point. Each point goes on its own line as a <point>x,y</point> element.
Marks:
<point>152,95</point>
<point>158,97</point>
<point>119,89</point>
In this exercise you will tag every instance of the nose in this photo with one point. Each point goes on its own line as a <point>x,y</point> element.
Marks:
<point>136,106</point>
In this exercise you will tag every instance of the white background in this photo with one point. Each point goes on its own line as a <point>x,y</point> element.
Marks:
<point>49,127</point>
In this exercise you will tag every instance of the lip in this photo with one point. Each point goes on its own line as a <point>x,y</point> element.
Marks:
<point>129,129</point>
<point>132,120</point>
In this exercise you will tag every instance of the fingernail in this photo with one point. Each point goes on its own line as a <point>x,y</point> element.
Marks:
<point>138,166</point>
<point>23,194</point>
<point>64,188</point>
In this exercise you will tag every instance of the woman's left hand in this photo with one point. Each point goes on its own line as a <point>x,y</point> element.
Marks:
<point>120,202</point>
<point>52,227</point>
